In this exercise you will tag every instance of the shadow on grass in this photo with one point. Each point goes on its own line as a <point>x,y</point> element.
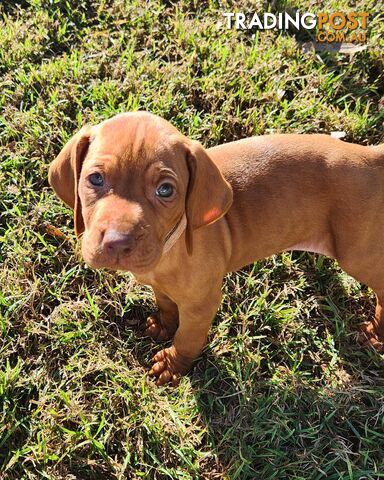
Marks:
<point>272,430</point>
<point>272,418</point>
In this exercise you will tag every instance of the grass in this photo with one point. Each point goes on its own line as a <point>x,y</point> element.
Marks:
<point>282,390</point>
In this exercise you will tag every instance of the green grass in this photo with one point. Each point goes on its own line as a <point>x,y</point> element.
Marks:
<point>282,390</point>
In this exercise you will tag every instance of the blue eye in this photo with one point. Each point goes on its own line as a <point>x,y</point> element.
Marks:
<point>165,190</point>
<point>96,179</point>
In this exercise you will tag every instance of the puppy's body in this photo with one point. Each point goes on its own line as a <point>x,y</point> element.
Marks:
<point>305,192</point>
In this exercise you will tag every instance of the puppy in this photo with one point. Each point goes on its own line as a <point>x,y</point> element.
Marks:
<point>149,200</point>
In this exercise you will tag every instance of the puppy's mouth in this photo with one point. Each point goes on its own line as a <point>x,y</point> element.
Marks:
<point>136,250</point>
<point>142,259</point>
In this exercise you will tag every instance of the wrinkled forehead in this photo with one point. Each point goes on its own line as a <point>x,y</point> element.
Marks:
<point>135,141</point>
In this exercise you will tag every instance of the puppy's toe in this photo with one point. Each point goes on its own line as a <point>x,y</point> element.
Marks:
<point>169,367</point>
<point>155,330</point>
<point>370,339</point>
<point>152,326</point>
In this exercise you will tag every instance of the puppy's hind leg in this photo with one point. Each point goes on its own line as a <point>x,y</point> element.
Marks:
<point>373,332</point>
<point>163,324</point>
<point>355,264</point>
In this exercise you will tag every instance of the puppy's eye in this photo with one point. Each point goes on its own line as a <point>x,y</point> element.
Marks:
<point>165,190</point>
<point>96,179</point>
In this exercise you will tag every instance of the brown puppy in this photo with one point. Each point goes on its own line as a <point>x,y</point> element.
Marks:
<point>149,200</point>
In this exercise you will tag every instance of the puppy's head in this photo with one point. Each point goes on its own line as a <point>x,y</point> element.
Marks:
<point>130,181</point>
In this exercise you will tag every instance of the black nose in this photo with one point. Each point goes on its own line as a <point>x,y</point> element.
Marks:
<point>118,242</point>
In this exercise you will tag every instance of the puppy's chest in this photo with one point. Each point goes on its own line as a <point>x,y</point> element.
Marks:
<point>162,283</point>
<point>322,244</point>
<point>146,279</point>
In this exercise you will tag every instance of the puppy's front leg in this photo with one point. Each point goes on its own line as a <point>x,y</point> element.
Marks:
<point>195,319</point>
<point>163,324</point>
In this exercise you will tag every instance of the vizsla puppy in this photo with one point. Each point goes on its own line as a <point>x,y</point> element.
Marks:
<point>149,200</point>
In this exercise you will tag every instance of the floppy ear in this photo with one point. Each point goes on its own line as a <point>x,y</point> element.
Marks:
<point>64,173</point>
<point>209,195</point>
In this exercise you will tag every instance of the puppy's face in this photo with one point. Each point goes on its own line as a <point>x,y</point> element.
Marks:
<point>132,189</point>
<point>131,180</point>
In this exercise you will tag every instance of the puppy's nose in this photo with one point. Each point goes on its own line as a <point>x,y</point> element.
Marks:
<point>118,242</point>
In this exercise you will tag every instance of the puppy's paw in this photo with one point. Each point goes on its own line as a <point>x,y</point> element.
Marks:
<point>169,366</point>
<point>155,329</point>
<point>368,337</point>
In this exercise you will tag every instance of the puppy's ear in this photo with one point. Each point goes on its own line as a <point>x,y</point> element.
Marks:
<point>64,173</point>
<point>209,195</point>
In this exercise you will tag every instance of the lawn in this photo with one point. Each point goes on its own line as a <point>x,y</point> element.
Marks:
<point>282,390</point>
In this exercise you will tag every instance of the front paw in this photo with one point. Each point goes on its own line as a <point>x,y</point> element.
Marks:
<point>369,338</point>
<point>169,366</point>
<point>156,330</point>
